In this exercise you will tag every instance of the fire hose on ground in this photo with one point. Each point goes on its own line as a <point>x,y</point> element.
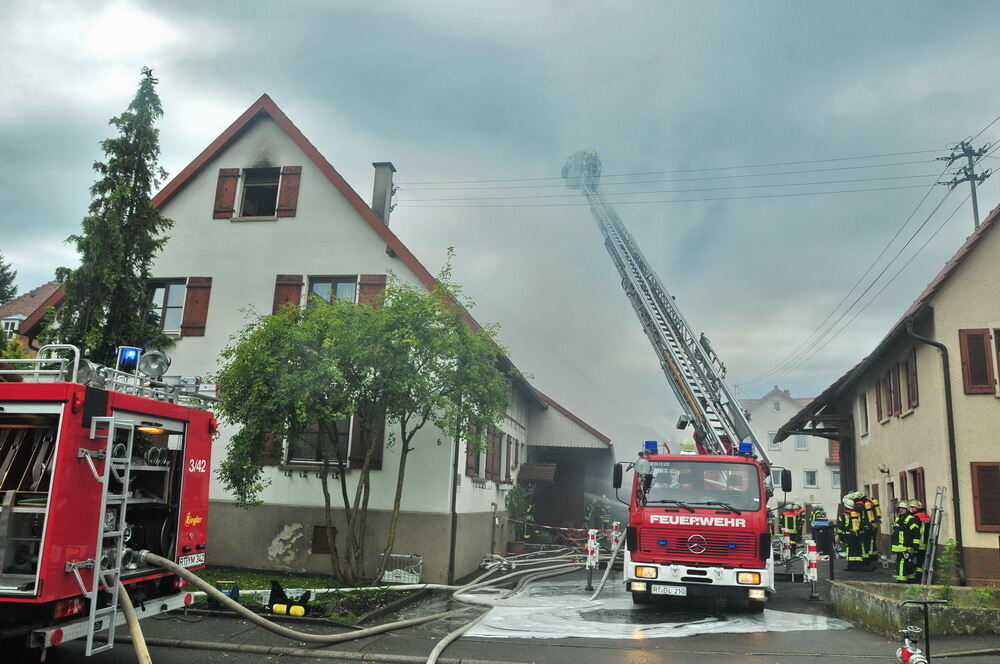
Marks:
<point>525,577</point>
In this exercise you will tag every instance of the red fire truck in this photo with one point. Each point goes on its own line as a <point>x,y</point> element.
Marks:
<point>96,464</point>
<point>698,520</point>
<point>698,528</point>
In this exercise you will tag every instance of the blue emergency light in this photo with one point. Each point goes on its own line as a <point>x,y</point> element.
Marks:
<point>128,359</point>
<point>651,446</point>
<point>746,448</point>
<point>662,542</point>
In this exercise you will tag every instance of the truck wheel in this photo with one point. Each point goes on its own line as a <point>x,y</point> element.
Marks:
<point>756,605</point>
<point>640,598</point>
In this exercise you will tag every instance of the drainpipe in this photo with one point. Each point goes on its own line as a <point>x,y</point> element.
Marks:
<point>952,450</point>
<point>453,511</point>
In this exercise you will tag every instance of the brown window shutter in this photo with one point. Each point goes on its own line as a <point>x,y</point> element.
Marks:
<point>287,288</point>
<point>196,306</point>
<point>491,453</point>
<point>977,361</point>
<point>371,288</point>
<point>911,379</point>
<point>288,191</point>
<point>357,449</point>
<point>471,460</point>
<point>510,445</point>
<point>270,451</point>
<point>986,496</point>
<point>225,193</point>
<point>878,398</point>
<point>897,395</point>
<point>903,495</point>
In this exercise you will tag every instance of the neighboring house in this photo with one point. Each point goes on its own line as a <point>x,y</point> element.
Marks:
<point>922,411</point>
<point>814,462</point>
<point>23,315</point>
<point>261,218</point>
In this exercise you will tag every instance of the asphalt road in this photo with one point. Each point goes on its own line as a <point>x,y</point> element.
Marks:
<point>772,643</point>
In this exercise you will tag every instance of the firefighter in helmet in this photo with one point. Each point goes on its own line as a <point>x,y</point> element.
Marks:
<point>849,533</point>
<point>924,521</point>
<point>905,538</point>
<point>791,521</point>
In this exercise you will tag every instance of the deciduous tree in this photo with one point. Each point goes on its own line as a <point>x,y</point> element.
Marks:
<point>406,363</point>
<point>107,301</point>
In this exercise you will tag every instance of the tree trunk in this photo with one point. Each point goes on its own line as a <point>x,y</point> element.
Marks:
<point>404,453</point>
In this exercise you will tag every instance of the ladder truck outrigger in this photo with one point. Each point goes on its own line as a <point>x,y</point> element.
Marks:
<point>99,468</point>
<point>698,518</point>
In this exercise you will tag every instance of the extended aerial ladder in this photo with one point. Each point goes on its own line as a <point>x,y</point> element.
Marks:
<point>692,368</point>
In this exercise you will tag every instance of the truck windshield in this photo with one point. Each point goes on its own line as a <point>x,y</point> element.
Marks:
<point>733,486</point>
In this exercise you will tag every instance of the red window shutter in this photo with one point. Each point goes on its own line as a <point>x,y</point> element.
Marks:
<point>911,379</point>
<point>371,288</point>
<point>288,191</point>
<point>357,448</point>
<point>287,288</point>
<point>225,193</point>
<point>878,398</point>
<point>196,306</point>
<point>986,496</point>
<point>977,361</point>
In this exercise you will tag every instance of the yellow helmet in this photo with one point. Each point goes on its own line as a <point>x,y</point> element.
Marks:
<point>917,504</point>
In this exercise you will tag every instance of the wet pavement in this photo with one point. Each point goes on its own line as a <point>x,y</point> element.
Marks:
<point>558,627</point>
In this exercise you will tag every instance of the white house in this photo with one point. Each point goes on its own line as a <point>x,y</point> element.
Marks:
<point>261,218</point>
<point>814,462</point>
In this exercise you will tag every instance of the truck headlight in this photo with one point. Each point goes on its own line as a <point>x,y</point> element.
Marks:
<point>638,586</point>
<point>748,578</point>
<point>645,572</point>
<point>758,593</point>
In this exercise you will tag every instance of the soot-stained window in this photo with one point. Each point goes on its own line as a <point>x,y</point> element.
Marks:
<point>260,192</point>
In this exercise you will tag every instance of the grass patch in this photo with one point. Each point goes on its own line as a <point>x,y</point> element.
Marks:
<point>342,607</point>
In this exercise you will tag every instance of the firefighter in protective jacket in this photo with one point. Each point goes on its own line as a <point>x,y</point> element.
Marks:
<point>791,520</point>
<point>849,531</point>
<point>924,520</point>
<point>905,541</point>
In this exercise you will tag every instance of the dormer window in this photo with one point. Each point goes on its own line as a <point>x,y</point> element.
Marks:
<point>260,192</point>
<point>267,193</point>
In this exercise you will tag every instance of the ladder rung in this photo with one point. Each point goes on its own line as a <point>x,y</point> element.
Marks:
<point>106,610</point>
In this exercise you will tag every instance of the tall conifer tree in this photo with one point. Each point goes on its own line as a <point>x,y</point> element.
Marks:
<point>107,300</point>
<point>8,289</point>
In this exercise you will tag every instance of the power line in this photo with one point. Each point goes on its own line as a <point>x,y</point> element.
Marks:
<point>687,170</point>
<point>985,128</point>
<point>672,191</point>
<point>830,334</point>
<point>674,200</point>
<point>867,271</point>
<point>891,279</point>
<point>403,186</point>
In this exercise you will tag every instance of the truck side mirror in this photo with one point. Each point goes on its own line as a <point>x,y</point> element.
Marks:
<point>616,480</point>
<point>786,480</point>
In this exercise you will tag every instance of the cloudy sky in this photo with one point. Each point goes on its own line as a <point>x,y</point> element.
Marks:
<point>485,100</point>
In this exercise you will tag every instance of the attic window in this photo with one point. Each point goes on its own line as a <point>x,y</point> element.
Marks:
<point>260,192</point>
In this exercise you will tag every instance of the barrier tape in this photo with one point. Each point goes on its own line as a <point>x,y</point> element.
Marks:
<point>538,525</point>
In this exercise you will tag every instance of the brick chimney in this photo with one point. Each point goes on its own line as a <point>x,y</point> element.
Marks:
<point>382,194</point>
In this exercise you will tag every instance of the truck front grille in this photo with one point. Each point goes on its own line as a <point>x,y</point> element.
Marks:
<point>726,549</point>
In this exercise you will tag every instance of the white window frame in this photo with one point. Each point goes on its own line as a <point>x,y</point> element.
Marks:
<point>805,478</point>
<point>835,479</point>
<point>801,443</point>
<point>771,445</point>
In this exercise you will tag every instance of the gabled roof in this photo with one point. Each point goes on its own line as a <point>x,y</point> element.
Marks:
<point>912,313</point>
<point>33,305</point>
<point>573,418</point>
<point>265,107</point>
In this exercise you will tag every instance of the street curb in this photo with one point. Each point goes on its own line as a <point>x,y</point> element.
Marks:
<point>305,652</point>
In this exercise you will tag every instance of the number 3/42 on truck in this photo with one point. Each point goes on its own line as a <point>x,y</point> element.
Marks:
<point>96,466</point>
